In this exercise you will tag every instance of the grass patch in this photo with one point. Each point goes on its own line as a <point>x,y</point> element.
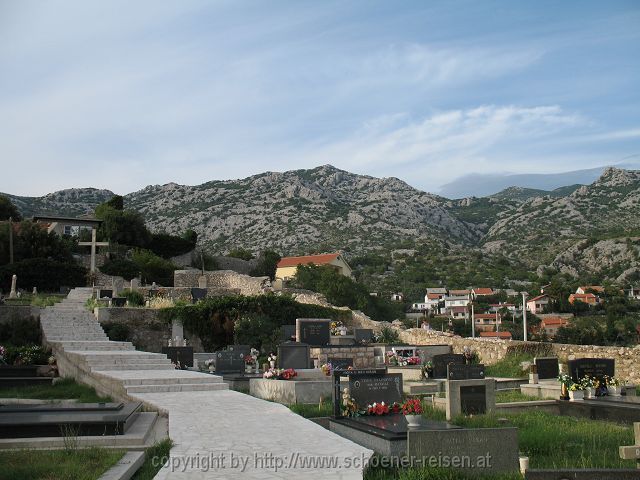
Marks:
<point>66,388</point>
<point>324,409</point>
<point>37,300</point>
<point>379,473</point>
<point>509,366</point>
<point>159,452</point>
<point>506,396</point>
<point>555,442</point>
<point>82,464</point>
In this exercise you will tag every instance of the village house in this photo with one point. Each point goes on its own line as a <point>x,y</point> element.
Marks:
<point>70,226</point>
<point>590,289</point>
<point>588,298</point>
<point>288,266</point>
<point>450,302</point>
<point>550,325</point>
<point>634,292</point>
<point>459,313</point>
<point>538,304</point>
<point>442,292</point>
<point>486,322</point>
<point>482,292</point>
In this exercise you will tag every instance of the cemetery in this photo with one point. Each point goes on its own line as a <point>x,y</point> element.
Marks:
<point>397,401</point>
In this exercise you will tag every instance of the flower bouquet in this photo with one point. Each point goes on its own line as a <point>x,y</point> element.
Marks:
<point>576,392</point>
<point>392,358</point>
<point>412,410</point>
<point>427,369</point>
<point>3,353</point>
<point>382,409</point>
<point>210,364</point>
<point>565,382</point>
<point>614,386</point>
<point>414,361</point>
<point>327,368</point>
<point>280,374</point>
<point>590,386</point>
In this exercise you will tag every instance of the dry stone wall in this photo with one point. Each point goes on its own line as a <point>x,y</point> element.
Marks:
<point>223,280</point>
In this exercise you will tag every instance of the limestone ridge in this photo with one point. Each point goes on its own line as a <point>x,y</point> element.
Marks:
<point>579,228</point>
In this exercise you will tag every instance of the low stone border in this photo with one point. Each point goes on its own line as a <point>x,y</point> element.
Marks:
<point>128,465</point>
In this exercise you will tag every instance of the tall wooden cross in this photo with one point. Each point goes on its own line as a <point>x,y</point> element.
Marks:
<point>632,452</point>
<point>93,244</point>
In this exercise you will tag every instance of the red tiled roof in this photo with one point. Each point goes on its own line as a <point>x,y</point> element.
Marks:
<point>595,288</point>
<point>458,309</point>
<point>488,316</point>
<point>434,296</point>
<point>315,259</point>
<point>579,296</point>
<point>554,321</point>
<point>504,335</point>
<point>537,298</point>
<point>483,291</point>
<point>455,293</point>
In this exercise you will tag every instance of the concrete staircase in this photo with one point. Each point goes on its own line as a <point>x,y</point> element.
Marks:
<point>115,368</point>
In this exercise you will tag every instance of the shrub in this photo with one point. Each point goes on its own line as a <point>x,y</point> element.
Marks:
<point>26,355</point>
<point>47,275</point>
<point>388,336</point>
<point>135,298</point>
<point>19,332</point>
<point>168,246</point>
<point>154,268</point>
<point>120,267</point>
<point>117,332</point>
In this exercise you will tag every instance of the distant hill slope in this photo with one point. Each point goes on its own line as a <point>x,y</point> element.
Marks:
<point>71,202</point>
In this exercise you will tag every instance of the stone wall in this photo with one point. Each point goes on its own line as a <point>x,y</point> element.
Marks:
<point>223,280</point>
<point>363,357</point>
<point>147,331</point>
<point>236,264</point>
<point>10,313</point>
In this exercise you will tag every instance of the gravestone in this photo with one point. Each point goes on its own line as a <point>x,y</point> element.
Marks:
<point>118,301</point>
<point>367,390</point>
<point>288,333</point>
<point>14,283</point>
<point>593,367</point>
<point>456,371</point>
<point>632,452</point>
<point>313,331</point>
<point>135,283</point>
<point>105,293</point>
<point>473,399</point>
<point>117,285</point>
<point>293,355</point>
<point>440,363</point>
<point>202,281</point>
<point>242,349</point>
<point>184,355</point>
<point>548,367</point>
<point>363,335</point>
<point>198,294</point>
<point>228,361</point>
<point>341,363</point>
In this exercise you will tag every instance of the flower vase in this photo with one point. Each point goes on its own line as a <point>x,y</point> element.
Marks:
<point>211,368</point>
<point>614,391</point>
<point>272,364</point>
<point>564,393</point>
<point>589,393</point>
<point>413,420</point>
<point>576,395</point>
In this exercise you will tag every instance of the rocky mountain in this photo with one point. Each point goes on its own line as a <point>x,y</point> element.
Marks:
<point>71,202</point>
<point>589,229</point>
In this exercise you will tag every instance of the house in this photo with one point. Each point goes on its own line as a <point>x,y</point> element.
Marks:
<point>433,301</point>
<point>496,335</point>
<point>419,307</point>
<point>67,225</point>
<point>634,292</point>
<point>550,324</point>
<point>482,292</point>
<point>288,266</point>
<point>590,289</point>
<point>588,298</point>
<point>459,312</point>
<point>397,297</point>
<point>450,302</point>
<point>486,322</point>
<point>537,304</point>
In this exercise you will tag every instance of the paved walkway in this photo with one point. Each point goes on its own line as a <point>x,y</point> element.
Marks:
<point>218,433</point>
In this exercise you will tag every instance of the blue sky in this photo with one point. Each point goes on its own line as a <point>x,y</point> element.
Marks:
<point>123,94</point>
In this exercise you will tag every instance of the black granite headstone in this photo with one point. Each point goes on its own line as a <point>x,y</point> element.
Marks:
<point>288,333</point>
<point>440,363</point>
<point>184,355</point>
<point>363,335</point>
<point>465,372</point>
<point>367,390</point>
<point>547,367</point>
<point>228,361</point>
<point>118,301</point>
<point>473,399</point>
<point>593,367</point>
<point>198,294</point>
<point>293,355</point>
<point>353,375</point>
<point>314,331</point>
<point>105,293</point>
<point>341,363</point>
<point>242,349</point>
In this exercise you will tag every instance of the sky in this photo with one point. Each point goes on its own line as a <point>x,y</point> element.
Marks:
<point>122,94</point>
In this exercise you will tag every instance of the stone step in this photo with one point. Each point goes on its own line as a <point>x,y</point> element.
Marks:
<point>136,366</point>
<point>126,360</point>
<point>72,345</point>
<point>177,380</point>
<point>129,355</point>
<point>77,338</point>
<point>182,387</point>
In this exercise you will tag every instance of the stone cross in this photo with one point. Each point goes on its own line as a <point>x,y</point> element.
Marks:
<point>14,281</point>
<point>93,244</point>
<point>632,452</point>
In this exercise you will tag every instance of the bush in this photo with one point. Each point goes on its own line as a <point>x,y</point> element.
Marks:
<point>120,267</point>
<point>117,332</point>
<point>26,355</point>
<point>388,336</point>
<point>154,268</point>
<point>47,275</point>
<point>20,332</point>
<point>135,298</point>
<point>168,246</point>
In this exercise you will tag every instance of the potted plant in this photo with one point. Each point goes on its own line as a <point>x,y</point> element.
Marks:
<point>575,392</point>
<point>427,369</point>
<point>272,360</point>
<point>565,383</point>
<point>412,410</point>
<point>589,385</point>
<point>614,386</point>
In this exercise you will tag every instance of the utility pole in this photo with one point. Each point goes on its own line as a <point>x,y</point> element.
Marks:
<point>10,240</point>
<point>473,322</point>
<point>524,314</point>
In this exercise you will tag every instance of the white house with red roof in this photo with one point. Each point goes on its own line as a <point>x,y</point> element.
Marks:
<point>288,266</point>
<point>482,292</point>
<point>537,304</point>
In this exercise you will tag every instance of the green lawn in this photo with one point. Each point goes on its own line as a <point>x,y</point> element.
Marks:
<point>506,396</point>
<point>159,452</point>
<point>325,409</point>
<point>66,388</point>
<point>509,367</point>
<point>82,464</point>
<point>430,474</point>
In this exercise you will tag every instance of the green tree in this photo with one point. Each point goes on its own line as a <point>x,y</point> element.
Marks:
<point>241,253</point>
<point>8,210</point>
<point>267,264</point>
